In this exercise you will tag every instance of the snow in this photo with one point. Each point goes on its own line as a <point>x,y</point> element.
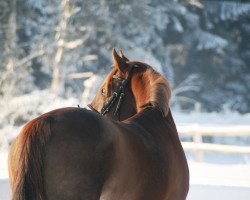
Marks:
<point>91,86</point>
<point>213,118</point>
<point>4,182</point>
<point>219,182</point>
<point>4,189</point>
<point>211,192</point>
<point>3,165</point>
<point>219,175</point>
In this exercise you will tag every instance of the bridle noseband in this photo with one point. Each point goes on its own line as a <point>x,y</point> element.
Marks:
<point>116,96</point>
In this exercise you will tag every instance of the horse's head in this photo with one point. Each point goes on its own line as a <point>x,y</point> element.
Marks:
<point>130,87</point>
<point>115,93</point>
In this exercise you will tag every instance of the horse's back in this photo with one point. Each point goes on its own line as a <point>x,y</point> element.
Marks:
<point>148,164</point>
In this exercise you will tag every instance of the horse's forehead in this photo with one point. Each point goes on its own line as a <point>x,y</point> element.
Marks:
<point>139,72</point>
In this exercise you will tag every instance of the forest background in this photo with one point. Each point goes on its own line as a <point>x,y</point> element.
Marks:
<point>202,47</point>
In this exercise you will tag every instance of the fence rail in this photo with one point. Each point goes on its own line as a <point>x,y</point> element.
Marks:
<point>198,146</point>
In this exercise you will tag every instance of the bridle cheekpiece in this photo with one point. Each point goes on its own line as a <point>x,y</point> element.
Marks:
<point>116,96</point>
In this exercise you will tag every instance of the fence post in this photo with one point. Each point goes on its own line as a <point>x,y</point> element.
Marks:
<point>197,138</point>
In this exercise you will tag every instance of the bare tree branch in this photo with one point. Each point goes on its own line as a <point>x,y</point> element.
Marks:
<point>29,57</point>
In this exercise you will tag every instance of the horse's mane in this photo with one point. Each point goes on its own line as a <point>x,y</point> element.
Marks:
<point>108,79</point>
<point>160,90</point>
<point>160,93</point>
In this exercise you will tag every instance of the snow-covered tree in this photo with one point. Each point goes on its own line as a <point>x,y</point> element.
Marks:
<point>197,41</point>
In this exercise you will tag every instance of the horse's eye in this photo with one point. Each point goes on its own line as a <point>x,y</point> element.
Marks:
<point>103,92</point>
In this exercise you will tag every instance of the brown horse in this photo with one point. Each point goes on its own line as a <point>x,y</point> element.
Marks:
<point>131,153</point>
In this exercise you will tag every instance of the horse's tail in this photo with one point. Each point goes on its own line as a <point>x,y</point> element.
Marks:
<point>26,160</point>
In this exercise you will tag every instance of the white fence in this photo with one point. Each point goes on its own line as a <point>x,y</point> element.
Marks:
<point>198,146</point>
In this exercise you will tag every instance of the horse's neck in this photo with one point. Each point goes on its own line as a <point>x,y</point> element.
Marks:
<point>151,119</point>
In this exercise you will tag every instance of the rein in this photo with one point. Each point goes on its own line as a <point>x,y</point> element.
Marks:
<point>117,95</point>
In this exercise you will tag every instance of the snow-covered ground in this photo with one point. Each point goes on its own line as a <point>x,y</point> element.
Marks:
<point>219,182</point>
<point>4,182</point>
<point>213,192</point>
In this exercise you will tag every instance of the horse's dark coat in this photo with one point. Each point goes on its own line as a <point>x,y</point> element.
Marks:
<point>73,153</point>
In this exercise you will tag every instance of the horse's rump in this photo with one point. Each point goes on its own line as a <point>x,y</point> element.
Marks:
<point>64,153</point>
<point>26,159</point>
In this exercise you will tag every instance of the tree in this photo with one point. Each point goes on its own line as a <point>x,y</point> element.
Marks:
<point>182,39</point>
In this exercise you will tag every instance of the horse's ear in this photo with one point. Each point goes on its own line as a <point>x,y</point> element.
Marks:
<point>119,63</point>
<point>123,57</point>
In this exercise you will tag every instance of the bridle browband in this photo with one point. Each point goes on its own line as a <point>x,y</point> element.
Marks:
<point>116,96</point>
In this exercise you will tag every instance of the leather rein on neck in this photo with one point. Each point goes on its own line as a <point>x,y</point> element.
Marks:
<point>117,95</point>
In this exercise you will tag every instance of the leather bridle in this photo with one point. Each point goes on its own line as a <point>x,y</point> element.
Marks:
<point>116,96</point>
